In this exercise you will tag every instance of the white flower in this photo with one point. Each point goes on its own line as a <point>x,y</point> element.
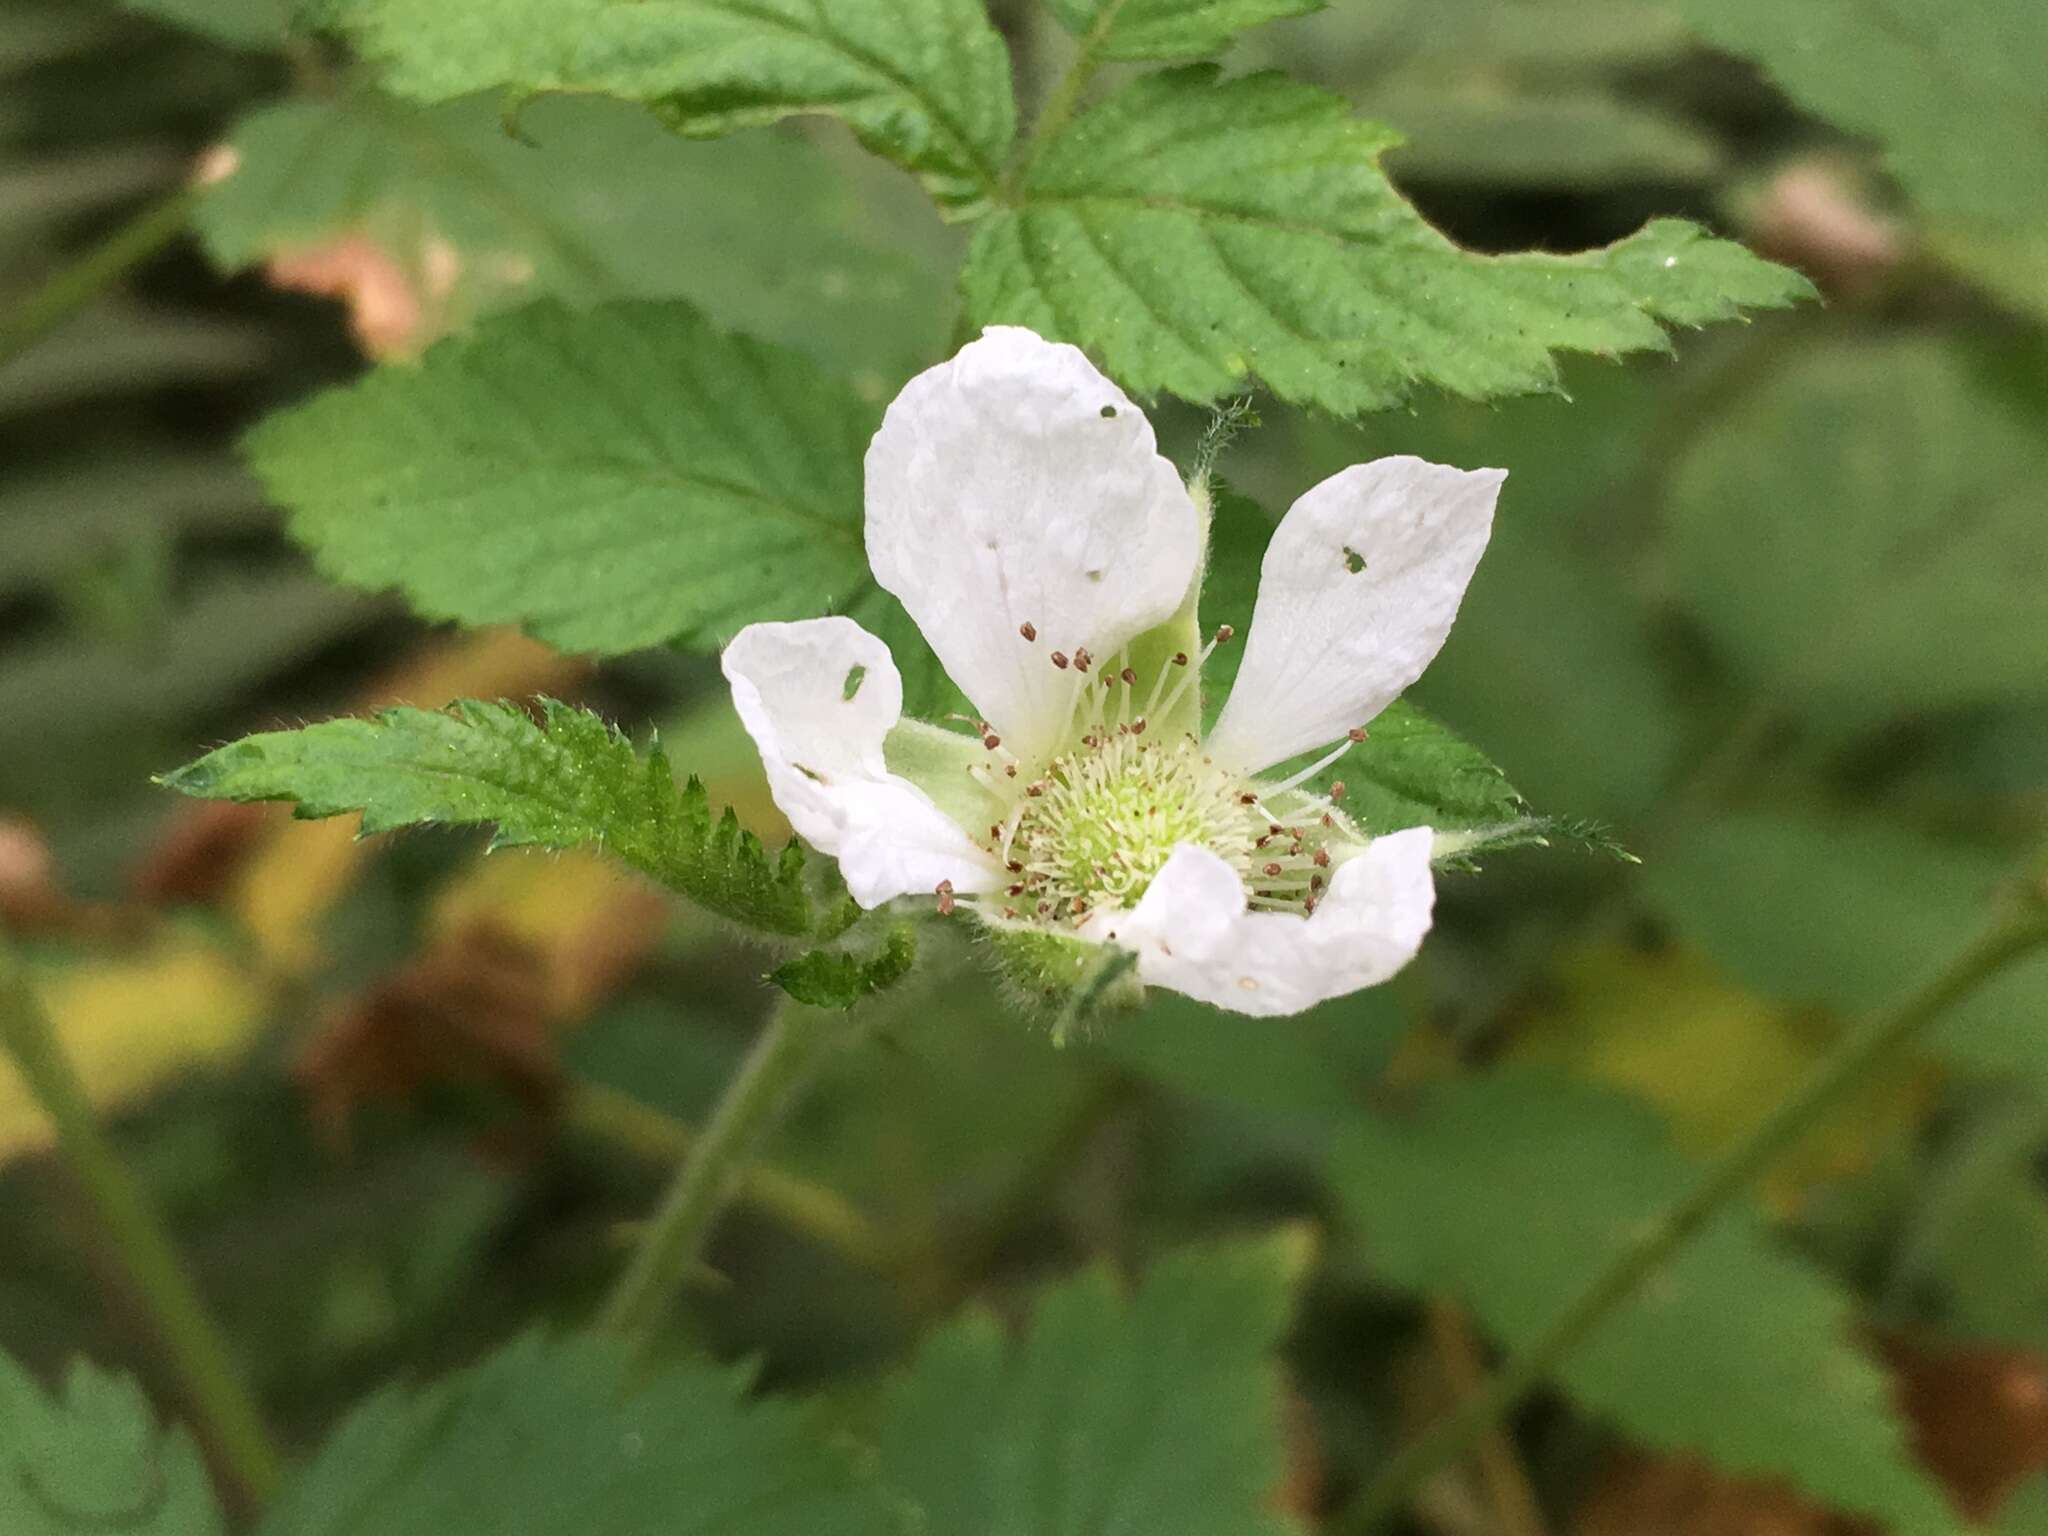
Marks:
<point>1018,507</point>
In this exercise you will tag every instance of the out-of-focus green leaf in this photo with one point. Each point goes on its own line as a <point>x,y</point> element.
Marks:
<point>92,1459</point>
<point>1510,1189</point>
<point>925,83</point>
<point>1198,233</point>
<point>1159,1411</point>
<point>594,200</point>
<point>1952,92</point>
<point>1865,532</point>
<point>1852,912</point>
<point>255,24</point>
<point>569,781</point>
<point>1168,29</point>
<point>1584,139</point>
<point>555,1438</point>
<point>839,978</point>
<point>615,479</point>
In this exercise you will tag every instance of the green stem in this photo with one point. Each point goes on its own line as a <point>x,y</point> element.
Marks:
<point>1064,97</point>
<point>674,1239</point>
<point>1860,1053</point>
<point>78,284</point>
<point>221,1402</point>
<point>606,1114</point>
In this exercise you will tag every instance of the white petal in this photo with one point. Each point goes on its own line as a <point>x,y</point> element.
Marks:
<point>820,729</point>
<point>1193,934</point>
<point>1016,485</point>
<point>1356,594</point>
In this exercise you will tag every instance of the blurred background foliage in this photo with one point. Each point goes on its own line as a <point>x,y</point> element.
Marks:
<point>1775,609</point>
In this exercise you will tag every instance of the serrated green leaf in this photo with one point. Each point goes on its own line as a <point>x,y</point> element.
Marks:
<point>925,83</point>
<point>839,978</point>
<point>92,1459</point>
<point>1901,72</point>
<point>1197,234</point>
<point>569,781</point>
<point>1159,1411</point>
<point>620,478</point>
<point>1168,29</point>
<point>560,1438</point>
<point>1509,1190</point>
<point>1864,533</point>
<point>594,200</point>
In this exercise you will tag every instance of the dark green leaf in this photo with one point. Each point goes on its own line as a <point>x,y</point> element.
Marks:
<point>93,1460</point>
<point>559,1439</point>
<point>925,83</point>
<point>1159,1411</point>
<point>1509,1190</point>
<point>569,781</point>
<point>614,479</point>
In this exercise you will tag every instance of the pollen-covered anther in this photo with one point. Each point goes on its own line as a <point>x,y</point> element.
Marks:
<point>944,892</point>
<point>1356,733</point>
<point>991,741</point>
<point>1223,633</point>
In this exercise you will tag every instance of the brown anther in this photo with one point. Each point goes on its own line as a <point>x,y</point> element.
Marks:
<point>1129,675</point>
<point>1015,866</point>
<point>1247,798</point>
<point>1035,789</point>
<point>995,831</point>
<point>1315,882</point>
<point>945,895</point>
<point>1329,821</point>
<point>1059,659</point>
<point>1261,842</point>
<point>1180,658</point>
<point>1337,790</point>
<point>1223,633</point>
<point>1028,630</point>
<point>1044,908</point>
<point>1356,733</point>
<point>1011,913</point>
<point>1009,770</point>
<point>1077,906</point>
<point>1322,859</point>
<point>1082,660</point>
<point>1275,828</point>
<point>991,741</point>
<point>1138,726</point>
<point>1272,869</point>
<point>1013,890</point>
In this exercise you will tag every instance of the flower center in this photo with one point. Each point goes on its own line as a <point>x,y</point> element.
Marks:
<point>1101,820</point>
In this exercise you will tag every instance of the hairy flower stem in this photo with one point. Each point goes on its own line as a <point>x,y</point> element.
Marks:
<point>219,1400</point>
<point>78,284</point>
<point>766,1083</point>
<point>2016,932</point>
<point>823,1215</point>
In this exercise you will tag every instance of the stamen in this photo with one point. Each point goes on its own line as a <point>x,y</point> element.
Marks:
<point>944,892</point>
<point>1317,766</point>
<point>1028,630</point>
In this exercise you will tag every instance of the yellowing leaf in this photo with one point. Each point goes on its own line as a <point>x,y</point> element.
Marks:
<point>1672,1029</point>
<point>132,1022</point>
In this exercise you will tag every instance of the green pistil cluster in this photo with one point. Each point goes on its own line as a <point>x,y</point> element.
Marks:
<point>1092,827</point>
<point>1103,820</point>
